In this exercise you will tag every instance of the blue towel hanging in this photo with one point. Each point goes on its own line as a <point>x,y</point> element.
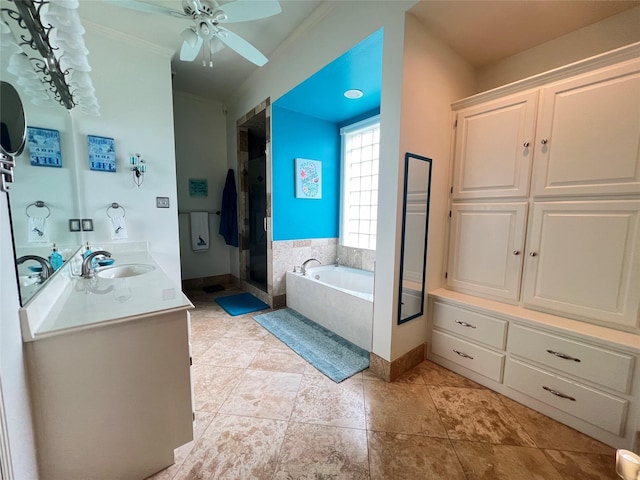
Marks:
<point>229,211</point>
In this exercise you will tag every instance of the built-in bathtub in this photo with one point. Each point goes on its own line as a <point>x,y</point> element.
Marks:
<point>338,298</point>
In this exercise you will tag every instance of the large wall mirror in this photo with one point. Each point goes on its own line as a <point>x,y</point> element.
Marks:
<point>413,246</point>
<point>42,197</point>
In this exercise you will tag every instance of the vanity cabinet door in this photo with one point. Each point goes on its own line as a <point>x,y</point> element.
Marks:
<point>493,148</point>
<point>582,260</point>
<point>588,134</point>
<point>486,244</point>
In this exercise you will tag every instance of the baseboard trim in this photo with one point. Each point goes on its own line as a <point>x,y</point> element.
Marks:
<point>391,371</point>
<point>226,279</point>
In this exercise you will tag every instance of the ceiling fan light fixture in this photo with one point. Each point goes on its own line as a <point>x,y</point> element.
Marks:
<point>220,16</point>
<point>190,36</point>
<point>206,30</point>
<point>353,94</point>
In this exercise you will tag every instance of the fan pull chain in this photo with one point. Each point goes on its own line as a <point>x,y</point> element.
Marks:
<point>207,50</point>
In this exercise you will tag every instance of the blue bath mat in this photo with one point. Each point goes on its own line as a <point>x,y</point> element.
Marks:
<point>334,356</point>
<point>241,303</point>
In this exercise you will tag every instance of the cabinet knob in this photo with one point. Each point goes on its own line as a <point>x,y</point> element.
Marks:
<point>533,254</point>
<point>526,144</point>
<point>516,252</point>
<point>543,141</point>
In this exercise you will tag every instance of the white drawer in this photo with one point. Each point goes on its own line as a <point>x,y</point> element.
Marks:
<point>597,365</point>
<point>593,406</point>
<point>472,325</point>
<point>469,355</point>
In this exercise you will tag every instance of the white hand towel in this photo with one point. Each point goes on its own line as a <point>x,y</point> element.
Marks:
<point>38,230</point>
<point>118,228</point>
<point>199,231</point>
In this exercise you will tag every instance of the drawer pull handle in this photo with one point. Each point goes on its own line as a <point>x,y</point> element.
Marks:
<point>558,394</point>
<point>564,356</point>
<point>462,354</point>
<point>465,324</point>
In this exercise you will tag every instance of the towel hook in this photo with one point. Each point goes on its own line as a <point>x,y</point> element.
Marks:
<point>116,206</point>
<point>38,204</point>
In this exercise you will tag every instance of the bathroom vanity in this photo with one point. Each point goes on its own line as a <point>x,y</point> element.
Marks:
<point>109,369</point>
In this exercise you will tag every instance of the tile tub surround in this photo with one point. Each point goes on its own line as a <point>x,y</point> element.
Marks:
<point>363,427</point>
<point>291,253</point>
<point>359,258</point>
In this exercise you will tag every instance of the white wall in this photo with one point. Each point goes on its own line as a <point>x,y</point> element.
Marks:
<point>15,395</point>
<point>613,32</point>
<point>433,77</point>
<point>133,86</point>
<point>201,152</point>
<point>330,31</point>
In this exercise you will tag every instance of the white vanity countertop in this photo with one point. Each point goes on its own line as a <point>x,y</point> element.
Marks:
<point>74,303</point>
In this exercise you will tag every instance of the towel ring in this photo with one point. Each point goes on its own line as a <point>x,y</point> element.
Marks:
<point>38,204</point>
<point>116,206</point>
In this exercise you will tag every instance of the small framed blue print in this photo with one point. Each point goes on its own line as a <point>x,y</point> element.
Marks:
<point>44,147</point>
<point>308,178</point>
<point>102,153</point>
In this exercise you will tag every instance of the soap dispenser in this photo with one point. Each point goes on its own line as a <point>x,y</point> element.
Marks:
<point>87,251</point>
<point>55,258</point>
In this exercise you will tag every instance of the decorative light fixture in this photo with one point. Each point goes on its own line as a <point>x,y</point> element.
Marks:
<point>353,94</point>
<point>627,465</point>
<point>56,34</point>
<point>138,167</point>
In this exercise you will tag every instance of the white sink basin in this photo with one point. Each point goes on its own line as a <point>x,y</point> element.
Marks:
<point>125,271</point>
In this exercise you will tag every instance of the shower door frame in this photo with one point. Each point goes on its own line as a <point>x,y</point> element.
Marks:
<point>243,202</point>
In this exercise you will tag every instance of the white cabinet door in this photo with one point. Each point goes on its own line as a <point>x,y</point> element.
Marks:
<point>588,132</point>
<point>494,147</point>
<point>486,245</point>
<point>583,260</point>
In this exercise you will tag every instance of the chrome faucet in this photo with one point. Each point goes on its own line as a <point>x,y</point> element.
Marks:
<point>87,270</point>
<point>303,268</point>
<point>47,269</point>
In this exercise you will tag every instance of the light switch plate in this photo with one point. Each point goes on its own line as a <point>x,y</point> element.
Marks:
<point>162,202</point>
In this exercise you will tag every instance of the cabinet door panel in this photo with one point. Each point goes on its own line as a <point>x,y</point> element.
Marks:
<point>591,126</point>
<point>491,160</point>
<point>586,260</point>
<point>483,245</point>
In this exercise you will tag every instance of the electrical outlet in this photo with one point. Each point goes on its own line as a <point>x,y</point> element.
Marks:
<point>162,202</point>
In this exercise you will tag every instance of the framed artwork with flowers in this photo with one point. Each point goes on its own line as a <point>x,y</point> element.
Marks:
<point>308,178</point>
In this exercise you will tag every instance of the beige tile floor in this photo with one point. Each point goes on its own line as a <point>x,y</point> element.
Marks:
<point>263,412</point>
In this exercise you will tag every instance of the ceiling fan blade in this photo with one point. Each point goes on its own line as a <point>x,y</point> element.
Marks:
<point>247,10</point>
<point>241,46</point>
<point>188,53</point>
<point>141,6</point>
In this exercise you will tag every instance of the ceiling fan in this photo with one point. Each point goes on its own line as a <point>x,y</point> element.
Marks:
<point>206,32</point>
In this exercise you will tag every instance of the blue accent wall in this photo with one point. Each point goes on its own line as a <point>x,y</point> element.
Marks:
<point>295,135</point>
<point>305,123</point>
